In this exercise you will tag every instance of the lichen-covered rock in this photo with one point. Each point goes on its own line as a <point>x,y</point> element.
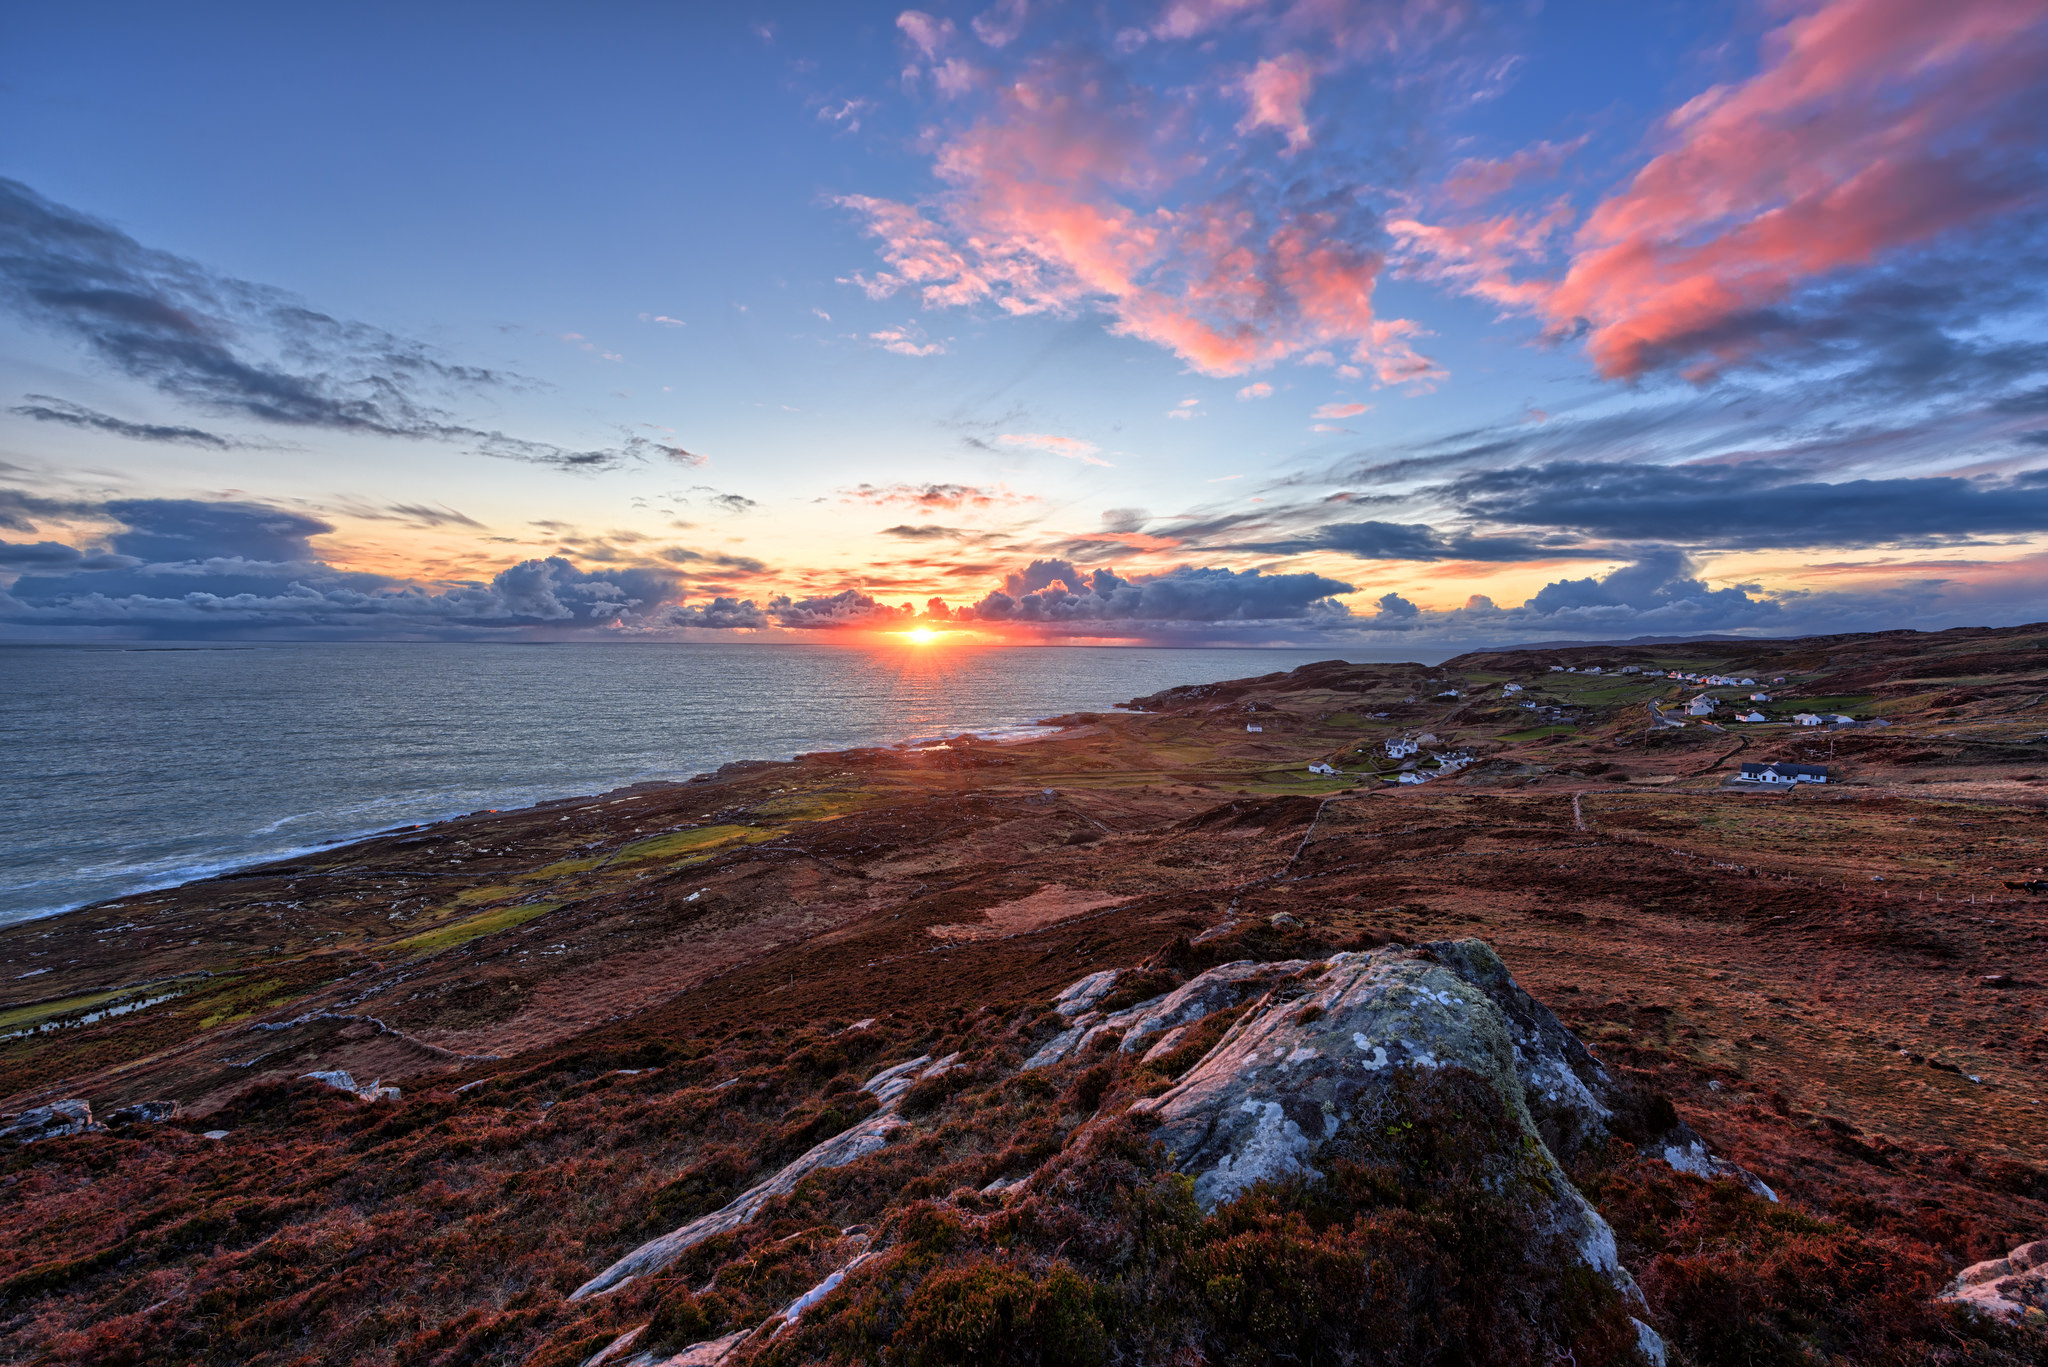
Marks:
<point>54,1121</point>
<point>2014,1287</point>
<point>1352,1053</point>
<point>1162,1021</point>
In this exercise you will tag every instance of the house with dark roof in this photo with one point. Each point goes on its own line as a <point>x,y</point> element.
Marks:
<point>1785,774</point>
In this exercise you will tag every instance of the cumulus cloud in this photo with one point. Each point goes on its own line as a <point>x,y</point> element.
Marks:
<point>240,349</point>
<point>1259,390</point>
<point>1056,592</point>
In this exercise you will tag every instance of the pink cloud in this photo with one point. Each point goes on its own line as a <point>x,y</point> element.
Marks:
<point>1261,390</point>
<point>908,340</point>
<point>1876,125</point>
<point>1072,448</point>
<point>1074,189</point>
<point>1277,92</point>
<point>1341,410</point>
<point>1476,179</point>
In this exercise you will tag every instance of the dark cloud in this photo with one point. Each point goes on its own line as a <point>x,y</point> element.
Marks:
<point>182,568</point>
<point>1751,504</point>
<point>1419,541</point>
<point>44,408</point>
<point>927,532</point>
<point>724,613</point>
<point>413,515</point>
<point>1057,592</point>
<point>19,509</point>
<point>682,555</point>
<point>848,608</point>
<point>52,555</point>
<point>242,349</point>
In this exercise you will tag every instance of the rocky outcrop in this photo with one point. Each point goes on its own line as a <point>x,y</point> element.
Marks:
<point>341,1081</point>
<point>144,1113</point>
<point>1335,1063</point>
<point>1163,1021</point>
<point>54,1121</point>
<point>887,1087</point>
<point>2014,1287</point>
<point>1336,1053</point>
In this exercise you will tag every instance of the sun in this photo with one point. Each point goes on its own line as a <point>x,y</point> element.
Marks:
<point>920,636</point>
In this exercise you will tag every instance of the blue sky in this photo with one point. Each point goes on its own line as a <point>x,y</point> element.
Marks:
<point>1204,320</point>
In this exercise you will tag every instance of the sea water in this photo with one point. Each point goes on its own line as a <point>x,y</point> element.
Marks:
<point>124,769</point>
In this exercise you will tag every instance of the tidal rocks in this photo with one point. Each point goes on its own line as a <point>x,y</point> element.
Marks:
<point>2014,1287</point>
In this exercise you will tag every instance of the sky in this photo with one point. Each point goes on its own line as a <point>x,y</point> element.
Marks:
<point>1425,324</point>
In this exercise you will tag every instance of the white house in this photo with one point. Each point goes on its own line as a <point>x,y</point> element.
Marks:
<point>1759,697</point>
<point>1250,727</point>
<point>1701,706</point>
<point>1749,683</point>
<point>1752,716</point>
<point>1448,693</point>
<point>1401,748</point>
<point>1592,669</point>
<point>1510,688</point>
<point>1412,777</point>
<point>1631,669</point>
<point>1840,720</point>
<point>1557,669</point>
<point>1783,773</point>
<point>1325,769</point>
<point>1807,719</point>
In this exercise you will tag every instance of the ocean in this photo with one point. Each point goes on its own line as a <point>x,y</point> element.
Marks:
<point>125,768</point>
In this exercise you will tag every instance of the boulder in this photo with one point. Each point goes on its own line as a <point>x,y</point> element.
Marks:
<point>54,1121</point>
<point>2014,1287</point>
<point>1339,1055</point>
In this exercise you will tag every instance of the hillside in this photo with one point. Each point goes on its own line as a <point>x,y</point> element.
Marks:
<point>1786,1044</point>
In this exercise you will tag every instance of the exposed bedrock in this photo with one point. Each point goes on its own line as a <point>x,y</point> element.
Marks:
<point>887,1086</point>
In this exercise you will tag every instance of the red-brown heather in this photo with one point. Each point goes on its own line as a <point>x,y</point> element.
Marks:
<point>610,1015</point>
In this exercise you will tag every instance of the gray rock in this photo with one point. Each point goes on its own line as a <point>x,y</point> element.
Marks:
<point>888,1086</point>
<point>2014,1287</point>
<point>1171,1014</point>
<point>341,1081</point>
<point>1295,1071</point>
<point>57,1120</point>
<point>1084,994</point>
<point>144,1113</point>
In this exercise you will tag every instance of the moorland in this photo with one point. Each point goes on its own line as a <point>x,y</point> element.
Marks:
<point>574,1028</point>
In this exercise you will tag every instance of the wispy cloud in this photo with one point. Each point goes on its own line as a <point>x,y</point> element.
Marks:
<point>245,350</point>
<point>44,408</point>
<point>1070,448</point>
